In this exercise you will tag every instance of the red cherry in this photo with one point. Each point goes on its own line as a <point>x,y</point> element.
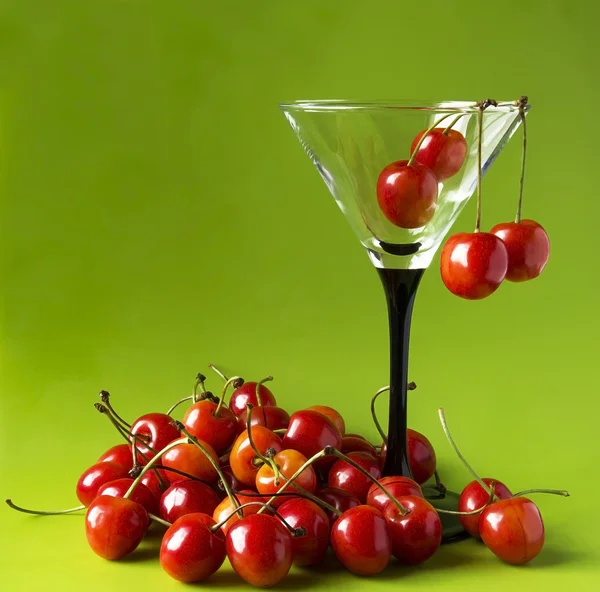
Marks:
<point>528,248</point>
<point>473,497</point>
<point>242,455</point>
<point>360,540</point>
<point>473,265</point>
<point>417,535</point>
<point>442,153</point>
<point>272,418</point>
<point>332,414</point>
<point>309,549</point>
<point>190,551</point>
<point>141,494</point>
<point>421,456</point>
<point>259,548</point>
<point>246,393</point>
<point>358,444</point>
<point>220,432</point>
<point>96,476</point>
<point>343,475</point>
<point>156,429</point>
<point>151,481</point>
<point>115,526</point>
<point>407,194</point>
<point>338,498</point>
<point>225,509</point>
<point>120,455</point>
<point>288,461</point>
<point>191,460</point>
<point>513,529</point>
<point>309,432</point>
<point>187,497</point>
<point>397,486</point>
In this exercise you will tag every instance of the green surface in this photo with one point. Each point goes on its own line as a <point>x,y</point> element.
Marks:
<point>158,214</point>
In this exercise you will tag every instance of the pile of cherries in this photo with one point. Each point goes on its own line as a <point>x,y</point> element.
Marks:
<point>249,482</point>
<point>473,265</point>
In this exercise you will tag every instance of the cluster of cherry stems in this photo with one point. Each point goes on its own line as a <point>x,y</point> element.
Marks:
<point>473,265</point>
<point>249,482</point>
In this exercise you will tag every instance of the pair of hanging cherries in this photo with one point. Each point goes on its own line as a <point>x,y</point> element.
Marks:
<point>473,265</point>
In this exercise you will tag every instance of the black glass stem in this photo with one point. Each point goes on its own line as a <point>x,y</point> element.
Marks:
<point>400,286</point>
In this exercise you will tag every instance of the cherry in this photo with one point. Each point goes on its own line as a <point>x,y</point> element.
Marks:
<point>259,548</point>
<point>361,541</point>
<point>528,248</point>
<point>396,486</point>
<point>154,484</point>
<point>218,429</point>
<point>120,455</point>
<point>246,393</point>
<point>191,460</point>
<point>288,462</point>
<point>243,458</point>
<point>309,549</point>
<point>513,529</point>
<point>415,534</point>
<point>187,497</point>
<point>343,475</point>
<point>226,508</point>
<point>309,432</point>
<point>421,456</point>
<point>141,494</point>
<point>272,418</point>
<point>332,414</point>
<point>190,551</point>
<point>115,526</point>
<point>442,151</point>
<point>473,497</point>
<point>473,265</point>
<point>338,498</point>
<point>407,194</point>
<point>358,444</point>
<point>156,429</point>
<point>96,476</point>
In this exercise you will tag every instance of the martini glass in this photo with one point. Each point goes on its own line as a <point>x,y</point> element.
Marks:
<point>350,143</point>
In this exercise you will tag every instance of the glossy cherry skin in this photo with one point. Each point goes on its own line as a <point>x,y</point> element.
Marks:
<point>443,154</point>
<point>272,418</point>
<point>151,481</point>
<point>513,530</point>
<point>242,455</point>
<point>358,444</point>
<point>288,461</point>
<point>141,494</point>
<point>417,535</point>
<point>309,432</point>
<point>407,195</point>
<point>473,497</point>
<point>396,486</point>
<point>259,548</point>
<point>338,498</point>
<point>190,459</point>
<point>332,414</point>
<point>120,455</point>
<point>187,497</point>
<point>225,509</point>
<point>311,548</point>
<point>473,265</point>
<point>421,456</point>
<point>96,476</point>
<point>343,475</point>
<point>115,526</point>
<point>220,432</point>
<point>156,429</point>
<point>190,551</point>
<point>528,248</point>
<point>360,540</point>
<point>247,394</point>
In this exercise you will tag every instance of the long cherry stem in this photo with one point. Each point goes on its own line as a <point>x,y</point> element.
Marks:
<point>481,107</point>
<point>562,492</point>
<point>453,123</point>
<point>522,105</point>
<point>215,369</point>
<point>105,398</point>
<point>258,385</point>
<point>472,512</point>
<point>374,414</point>
<point>258,453</point>
<point>413,155</point>
<point>159,520</point>
<point>194,397</point>
<point>237,382</point>
<point>14,506</point>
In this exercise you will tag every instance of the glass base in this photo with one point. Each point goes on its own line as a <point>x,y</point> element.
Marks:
<point>452,530</point>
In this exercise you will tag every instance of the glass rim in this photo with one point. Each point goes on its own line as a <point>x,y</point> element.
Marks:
<point>332,105</point>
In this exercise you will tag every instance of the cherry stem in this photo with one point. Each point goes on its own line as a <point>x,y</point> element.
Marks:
<point>10,503</point>
<point>453,123</point>
<point>211,460</point>
<point>178,472</point>
<point>562,492</point>
<point>159,520</point>
<point>194,397</point>
<point>237,382</point>
<point>459,454</point>
<point>258,453</point>
<point>438,483</point>
<point>522,105</point>
<point>200,379</point>
<point>481,107</point>
<point>472,512</point>
<point>374,414</point>
<point>413,155</point>
<point>105,398</point>
<point>258,385</point>
<point>215,369</point>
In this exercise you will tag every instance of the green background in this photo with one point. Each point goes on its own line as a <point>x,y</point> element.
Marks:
<point>158,214</point>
